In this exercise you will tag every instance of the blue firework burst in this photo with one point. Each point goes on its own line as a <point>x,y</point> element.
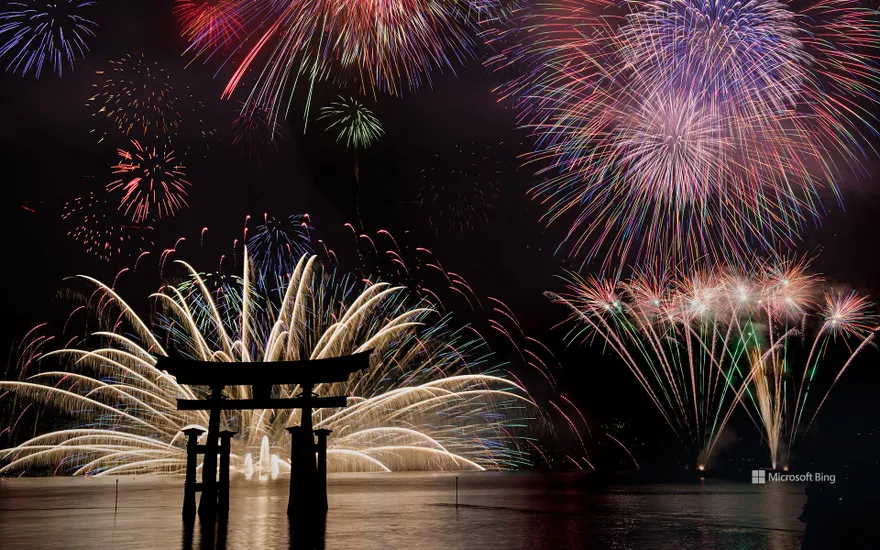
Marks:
<point>39,33</point>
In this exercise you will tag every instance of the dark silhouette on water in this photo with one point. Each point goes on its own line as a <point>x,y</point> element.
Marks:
<point>308,534</point>
<point>843,514</point>
<point>212,532</point>
<point>303,533</point>
<point>308,459</point>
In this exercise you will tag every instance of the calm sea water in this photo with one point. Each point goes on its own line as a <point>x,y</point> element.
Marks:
<point>409,511</point>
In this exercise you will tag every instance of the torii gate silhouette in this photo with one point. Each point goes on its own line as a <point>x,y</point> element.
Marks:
<point>308,477</point>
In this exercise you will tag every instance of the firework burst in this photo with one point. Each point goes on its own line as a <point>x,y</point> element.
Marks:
<point>277,245</point>
<point>741,56</point>
<point>208,25</point>
<point>352,123</point>
<point>679,130</point>
<point>379,46</point>
<point>420,405</point>
<point>97,225</point>
<point>256,133</point>
<point>358,128</point>
<point>136,95</point>
<point>38,33</point>
<point>461,187</point>
<point>151,182</point>
<point>700,344</point>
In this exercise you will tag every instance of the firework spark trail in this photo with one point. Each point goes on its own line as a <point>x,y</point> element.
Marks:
<point>36,33</point>
<point>98,226</point>
<point>676,130</point>
<point>701,343</point>
<point>420,405</point>
<point>622,446</point>
<point>381,256</point>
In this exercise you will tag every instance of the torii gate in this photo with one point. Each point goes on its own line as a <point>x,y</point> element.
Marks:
<point>308,478</point>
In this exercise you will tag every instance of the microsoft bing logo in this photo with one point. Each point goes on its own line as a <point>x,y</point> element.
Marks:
<point>760,477</point>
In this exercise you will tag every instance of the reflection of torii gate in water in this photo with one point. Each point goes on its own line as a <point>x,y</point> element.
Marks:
<point>308,477</point>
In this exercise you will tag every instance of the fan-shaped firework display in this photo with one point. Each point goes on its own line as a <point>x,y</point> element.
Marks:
<point>151,182</point>
<point>97,225</point>
<point>701,343</point>
<point>387,45</point>
<point>680,129</point>
<point>38,33</point>
<point>277,244</point>
<point>419,406</point>
<point>136,96</point>
<point>352,123</point>
<point>461,187</point>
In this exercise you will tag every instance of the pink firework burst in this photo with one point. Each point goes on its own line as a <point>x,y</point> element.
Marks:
<point>849,314</point>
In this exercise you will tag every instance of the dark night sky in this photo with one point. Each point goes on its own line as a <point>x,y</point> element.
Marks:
<point>49,156</point>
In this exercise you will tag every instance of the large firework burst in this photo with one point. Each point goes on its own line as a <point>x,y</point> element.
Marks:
<point>97,224</point>
<point>681,129</point>
<point>386,45</point>
<point>38,33</point>
<point>701,343</point>
<point>151,182</point>
<point>421,404</point>
<point>136,95</point>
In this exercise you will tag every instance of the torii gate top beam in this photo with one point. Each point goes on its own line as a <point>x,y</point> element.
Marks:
<point>310,372</point>
<point>260,404</point>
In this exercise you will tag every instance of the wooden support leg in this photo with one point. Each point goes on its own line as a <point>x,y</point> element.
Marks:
<point>321,480</point>
<point>189,485</point>
<point>208,502</point>
<point>223,488</point>
<point>302,472</point>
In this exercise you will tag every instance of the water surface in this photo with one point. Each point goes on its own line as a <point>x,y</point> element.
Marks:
<point>409,511</point>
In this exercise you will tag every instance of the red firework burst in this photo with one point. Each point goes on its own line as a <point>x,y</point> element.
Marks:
<point>207,24</point>
<point>151,181</point>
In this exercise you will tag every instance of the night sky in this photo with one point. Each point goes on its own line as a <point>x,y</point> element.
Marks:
<point>50,156</point>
